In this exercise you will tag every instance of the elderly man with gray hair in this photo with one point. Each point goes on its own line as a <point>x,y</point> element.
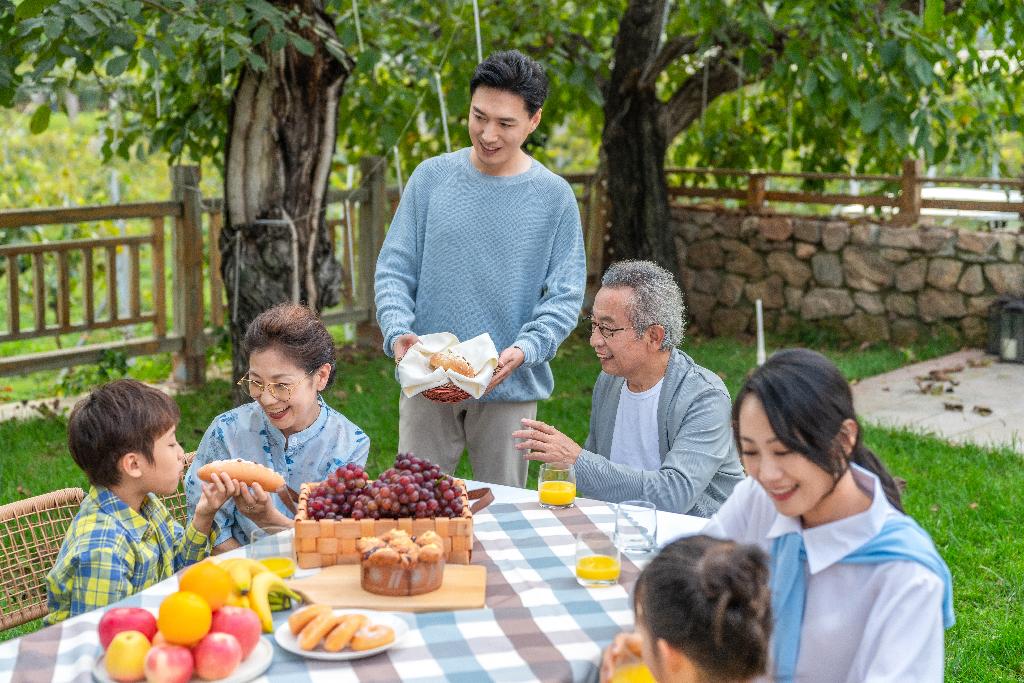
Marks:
<point>660,426</point>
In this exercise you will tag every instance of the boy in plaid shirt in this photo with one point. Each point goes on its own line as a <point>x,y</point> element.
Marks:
<point>123,538</point>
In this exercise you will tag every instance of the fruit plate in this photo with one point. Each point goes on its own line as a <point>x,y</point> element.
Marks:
<point>251,667</point>
<point>286,640</point>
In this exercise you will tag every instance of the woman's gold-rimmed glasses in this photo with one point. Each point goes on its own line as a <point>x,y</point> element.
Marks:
<point>282,391</point>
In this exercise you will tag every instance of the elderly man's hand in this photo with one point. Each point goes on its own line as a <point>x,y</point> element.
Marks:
<point>545,443</point>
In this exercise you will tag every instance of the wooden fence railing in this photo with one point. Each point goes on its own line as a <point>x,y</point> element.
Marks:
<point>358,217</point>
<point>907,198</point>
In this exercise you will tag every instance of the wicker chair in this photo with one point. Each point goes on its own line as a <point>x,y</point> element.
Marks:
<point>175,502</point>
<point>31,533</point>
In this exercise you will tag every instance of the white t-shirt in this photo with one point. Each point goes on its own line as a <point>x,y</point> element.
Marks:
<point>635,439</point>
<point>862,622</point>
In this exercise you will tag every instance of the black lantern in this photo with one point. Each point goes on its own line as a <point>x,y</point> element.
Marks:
<point>1006,329</point>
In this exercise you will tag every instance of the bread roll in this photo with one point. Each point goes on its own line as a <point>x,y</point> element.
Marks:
<point>452,361</point>
<point>244,471</point>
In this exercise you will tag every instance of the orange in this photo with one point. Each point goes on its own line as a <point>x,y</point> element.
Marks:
<point>184,618</point>
<point>210,581</point>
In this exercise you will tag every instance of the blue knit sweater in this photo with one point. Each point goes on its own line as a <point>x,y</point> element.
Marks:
<point>469,253</point>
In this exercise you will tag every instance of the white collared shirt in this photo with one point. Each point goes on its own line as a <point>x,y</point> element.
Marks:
<point>862,622</point>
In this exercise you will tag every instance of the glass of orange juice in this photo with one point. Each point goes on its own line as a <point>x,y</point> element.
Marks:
<point>556,485</point>
<point>597,560</point>
<point>635,672</point>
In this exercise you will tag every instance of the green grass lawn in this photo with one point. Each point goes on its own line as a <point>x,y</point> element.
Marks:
<point>966,497</point>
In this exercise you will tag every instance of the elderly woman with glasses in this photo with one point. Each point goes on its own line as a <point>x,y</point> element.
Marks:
<point>287,427</point>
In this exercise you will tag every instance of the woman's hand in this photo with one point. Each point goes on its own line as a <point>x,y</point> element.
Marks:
<point>257,505</point>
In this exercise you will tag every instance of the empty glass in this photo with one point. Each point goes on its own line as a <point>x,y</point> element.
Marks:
<point>270,542</point>
<point>636,526</point>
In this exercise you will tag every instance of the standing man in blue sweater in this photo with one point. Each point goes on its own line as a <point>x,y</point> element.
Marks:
<point>485,239</point>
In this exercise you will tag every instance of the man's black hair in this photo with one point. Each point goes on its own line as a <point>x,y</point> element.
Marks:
<point>513,72</point>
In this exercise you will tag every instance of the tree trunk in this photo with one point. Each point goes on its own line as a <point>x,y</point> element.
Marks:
<point>634,144</point>
<point>275,245</point>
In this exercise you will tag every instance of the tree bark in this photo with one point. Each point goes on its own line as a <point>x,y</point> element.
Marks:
<point>275,245</point>
<point>634,144</point>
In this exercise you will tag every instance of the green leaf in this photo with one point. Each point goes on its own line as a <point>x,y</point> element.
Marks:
<point>117,65</point>
<point>232,58</point>
<point>278,42</point>
<point>31,8</point>
<point>890,52</point>
<point>871,116</point>
<point>257,62</point>
<point>933,10</point>
<point>40,120</point>
<point>303,45</point>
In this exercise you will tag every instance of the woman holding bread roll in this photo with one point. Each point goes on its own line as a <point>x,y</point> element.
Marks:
<point>287,434</point>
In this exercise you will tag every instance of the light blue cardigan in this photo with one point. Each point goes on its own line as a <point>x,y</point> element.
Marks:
<point>699,464</point>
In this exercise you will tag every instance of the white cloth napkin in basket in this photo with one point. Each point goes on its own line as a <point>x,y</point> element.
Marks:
<point>415,374</point>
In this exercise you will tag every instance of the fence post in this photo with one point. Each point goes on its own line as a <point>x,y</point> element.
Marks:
<point>756,183</point>
<point>910,193</point>
<point>190,363</point>
<point>598,213</point>
<point>372,216</point>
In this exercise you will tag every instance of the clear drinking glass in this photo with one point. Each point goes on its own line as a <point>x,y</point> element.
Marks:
<point>556,486</point>
<point>272,541</point>
<point>636,526</point>
<point>597,560</point>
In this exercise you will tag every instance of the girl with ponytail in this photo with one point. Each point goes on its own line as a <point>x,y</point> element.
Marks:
<point>703,615</point>
<point>859,591</point>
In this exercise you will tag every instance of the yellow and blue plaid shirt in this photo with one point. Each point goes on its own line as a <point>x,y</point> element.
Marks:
<point>111,551</point>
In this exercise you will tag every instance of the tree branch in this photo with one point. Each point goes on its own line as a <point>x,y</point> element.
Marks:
<point>672,50</point>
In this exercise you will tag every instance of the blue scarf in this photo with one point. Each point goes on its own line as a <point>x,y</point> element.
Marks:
<point>899,539</point>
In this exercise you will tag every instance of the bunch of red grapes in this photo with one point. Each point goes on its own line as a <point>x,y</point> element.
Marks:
<point>413,487</point>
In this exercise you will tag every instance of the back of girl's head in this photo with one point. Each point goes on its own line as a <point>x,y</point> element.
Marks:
<point>709,599</point>
<point>807,399</point>
<point>295,332</point>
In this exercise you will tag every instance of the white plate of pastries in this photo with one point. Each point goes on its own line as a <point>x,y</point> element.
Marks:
<point>321,632</point>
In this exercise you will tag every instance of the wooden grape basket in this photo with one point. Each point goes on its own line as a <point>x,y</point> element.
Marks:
<point>327,542</point>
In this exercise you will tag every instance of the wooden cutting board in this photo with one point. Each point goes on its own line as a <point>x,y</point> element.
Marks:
<point>464,587</point>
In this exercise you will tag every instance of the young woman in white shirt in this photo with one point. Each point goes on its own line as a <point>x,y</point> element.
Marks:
<point>859,592</point>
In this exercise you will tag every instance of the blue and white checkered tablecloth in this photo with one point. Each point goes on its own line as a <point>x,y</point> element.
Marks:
<point>538,623</point>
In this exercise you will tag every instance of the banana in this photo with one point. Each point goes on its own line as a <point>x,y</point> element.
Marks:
<point>242,570</point>
<point>263,584</point>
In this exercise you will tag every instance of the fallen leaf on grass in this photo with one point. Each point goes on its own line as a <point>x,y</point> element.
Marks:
<point>359,388</point>
<point>934,508</point>
<point>973,506</point>
<point>984,411</point>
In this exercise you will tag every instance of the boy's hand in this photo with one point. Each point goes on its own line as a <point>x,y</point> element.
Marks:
<point>215,494</point>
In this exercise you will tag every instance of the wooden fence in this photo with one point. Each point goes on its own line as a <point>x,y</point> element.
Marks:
<point>358,218</point>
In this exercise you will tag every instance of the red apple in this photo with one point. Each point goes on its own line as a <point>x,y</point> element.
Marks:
<point>169,664</point>
<point>120,619</point>
<point>217,655</point>
<point>126,656</point>
<point>242,623</point>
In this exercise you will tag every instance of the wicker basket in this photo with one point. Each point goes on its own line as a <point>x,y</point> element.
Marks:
<point>326,542</point>
<point>449,393</point>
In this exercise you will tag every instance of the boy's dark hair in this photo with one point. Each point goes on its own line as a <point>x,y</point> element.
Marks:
<point>710,600</point>
<point>807,399</point>
<point>297,333</point>
<point>513,72</point>
<point>124,416</point>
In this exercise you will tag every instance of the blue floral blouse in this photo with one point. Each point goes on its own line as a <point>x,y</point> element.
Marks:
<point>311,455</point>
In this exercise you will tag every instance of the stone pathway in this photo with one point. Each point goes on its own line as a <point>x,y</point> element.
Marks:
<point>981,403</point>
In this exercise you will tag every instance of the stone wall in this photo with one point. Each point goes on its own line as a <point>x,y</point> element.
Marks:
<point>869,281</point>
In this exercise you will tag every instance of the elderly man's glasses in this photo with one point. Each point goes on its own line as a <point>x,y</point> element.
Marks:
<point>606,332</point>
<point>282,391</point>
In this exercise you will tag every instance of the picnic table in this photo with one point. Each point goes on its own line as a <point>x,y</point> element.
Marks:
<point>537,624</point>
